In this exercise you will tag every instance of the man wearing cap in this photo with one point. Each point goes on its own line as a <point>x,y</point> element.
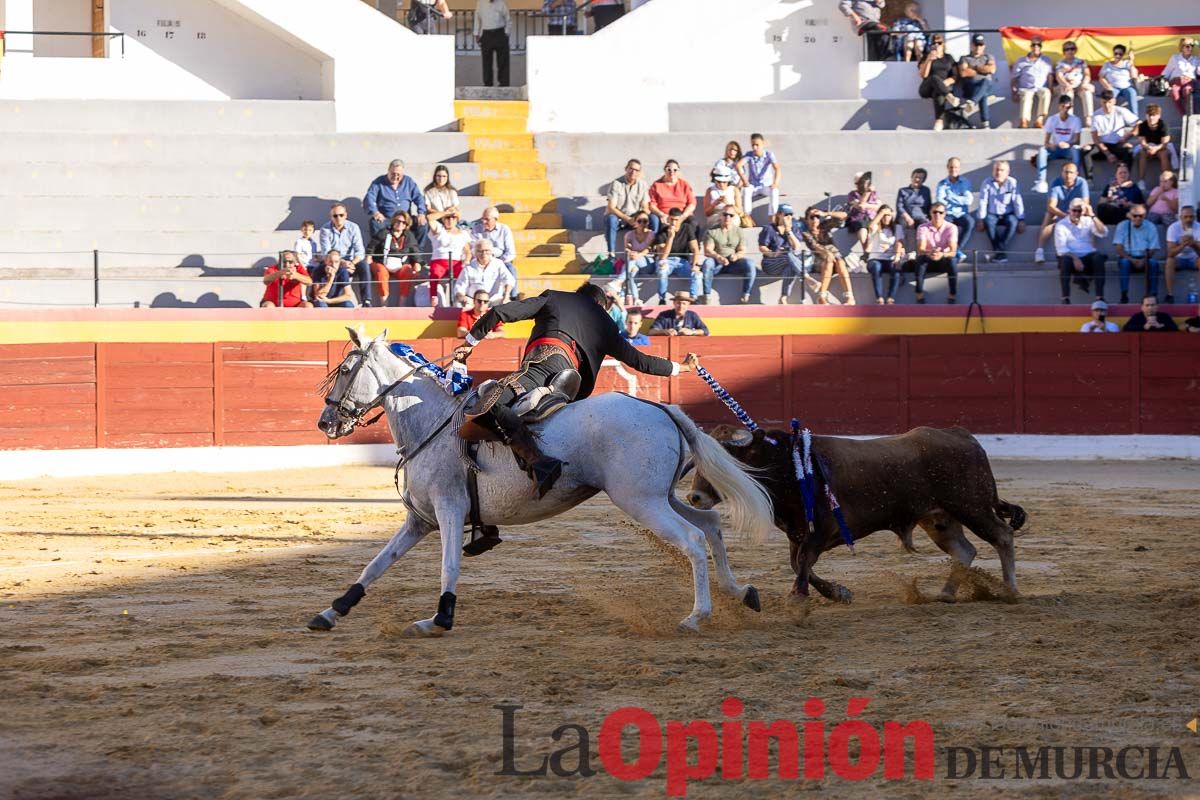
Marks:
<point>1112,128</point>
<point>1075,242</point>
<point>1031,79</point>
<point>1072,78</point>
<point>679,320</point>
<point>782,248</point>
<point>1062,141</point>
<point>1136,242</point>
<point>1099,323</point>
<point>976,70</point>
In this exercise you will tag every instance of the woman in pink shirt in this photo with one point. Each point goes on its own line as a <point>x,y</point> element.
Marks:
<point>1164,200</point>
<point>672,191</point>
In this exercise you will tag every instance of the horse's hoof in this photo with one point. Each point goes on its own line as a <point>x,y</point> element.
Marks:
<point>946,597</point>
<point>843,595</point>
<point>750,599</point>
<point>689,627</point>
<point>319,623</point>
<point>423,628</point>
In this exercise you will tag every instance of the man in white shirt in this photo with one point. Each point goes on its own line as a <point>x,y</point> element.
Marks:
<point>1075,242</point>
<point>485,273</point>
<point>1112,128</point>
<point>1099,323</point>
<point>504,246</point>
<point>1183,247</point>
<point>1062,141</point>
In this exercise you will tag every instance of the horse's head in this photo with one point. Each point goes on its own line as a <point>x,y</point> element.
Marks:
<point>355,387</point>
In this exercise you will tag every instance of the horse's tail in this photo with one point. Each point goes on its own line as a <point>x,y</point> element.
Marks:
<point>748,502</point>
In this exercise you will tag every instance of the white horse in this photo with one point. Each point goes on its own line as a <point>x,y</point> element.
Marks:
<point>633,450</point>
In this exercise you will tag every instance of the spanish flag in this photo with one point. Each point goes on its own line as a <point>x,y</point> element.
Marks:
<point>1152,47</point>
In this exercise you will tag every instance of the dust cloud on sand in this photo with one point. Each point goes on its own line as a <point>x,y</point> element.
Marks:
<point>153,643</point>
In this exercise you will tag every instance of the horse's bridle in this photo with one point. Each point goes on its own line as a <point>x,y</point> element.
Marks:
<point>355,413</point>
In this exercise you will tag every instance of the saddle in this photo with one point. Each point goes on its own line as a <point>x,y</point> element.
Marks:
<point>536,405</point>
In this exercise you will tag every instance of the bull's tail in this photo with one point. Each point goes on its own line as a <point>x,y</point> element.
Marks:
<point>747,501</point>
<point>1011,512</point>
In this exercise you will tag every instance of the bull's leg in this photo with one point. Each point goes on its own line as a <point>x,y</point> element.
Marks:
<point>830,590</point>
<point>409,534</point>
<point>709,522</point>
<point>947,534</point>
<point>998,534</point>
<point>803,559</point>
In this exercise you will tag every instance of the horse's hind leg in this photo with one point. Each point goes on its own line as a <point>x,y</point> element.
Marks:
<point>408,535</point>
<point>709,522</point>
<point>657,515</point>
<point>947,533</point>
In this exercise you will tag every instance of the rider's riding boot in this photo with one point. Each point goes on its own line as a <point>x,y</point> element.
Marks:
<point>542,468</point>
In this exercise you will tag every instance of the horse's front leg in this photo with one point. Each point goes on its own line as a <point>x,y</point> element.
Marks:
<point>409,534</point>
<point>450,516</point>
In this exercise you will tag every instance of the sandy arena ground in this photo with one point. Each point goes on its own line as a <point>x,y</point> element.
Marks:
<point>153,643</point>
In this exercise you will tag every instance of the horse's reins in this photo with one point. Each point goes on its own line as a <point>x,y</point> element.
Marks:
<point>356,413</point>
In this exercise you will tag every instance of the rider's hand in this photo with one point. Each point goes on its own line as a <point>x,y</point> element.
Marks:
<point>690,362</point>
<point>462,352</point>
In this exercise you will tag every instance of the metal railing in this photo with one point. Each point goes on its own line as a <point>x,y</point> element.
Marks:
<point>107,34</point>
<point>523,24</point>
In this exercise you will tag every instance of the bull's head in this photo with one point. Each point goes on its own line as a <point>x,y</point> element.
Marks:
<point>749,448</point>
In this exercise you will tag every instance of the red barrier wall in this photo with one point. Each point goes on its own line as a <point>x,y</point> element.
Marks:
<point>246,393</point>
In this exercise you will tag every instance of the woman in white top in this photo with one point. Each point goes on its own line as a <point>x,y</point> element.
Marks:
<point>885,253</point>
<point>491,34</point>
<point>1181,72</point>
<point>721,194</point>
<point>451,248</point>
<point>733,154</point>
<point>1120,75</point>
<point>440,195</point>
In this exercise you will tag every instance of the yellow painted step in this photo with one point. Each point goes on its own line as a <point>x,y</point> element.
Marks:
<point>548,250</point>
<point>536,236</point>
<point>526,205</point>
<point>546,265</point>
<point>464,109</point>
<point>523,220</point>
<point>508,188</point>
<point>512,170</point>
<point>513,155</point>
<point>500,141</point>
<point>491,125</point>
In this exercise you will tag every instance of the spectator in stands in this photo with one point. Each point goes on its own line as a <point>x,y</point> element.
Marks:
<point>937,246</point>
<point>955,195</point>
<point>469,316</point>
<point>1073,79</point>
<point>346,237</point>
<point>491,36</point>
<point>680,320</point>
<point>395,252</point>
<point>1183,247</point>
<point>504,246</point>
<point>912,207</point>
<point>1192,324</point>
<point>394,192</point>
<point>606,12</point>
<point>938,82</point>
<point>1064,189</point>
<point>1118,197</point>
<point>1119,76</point>
<point>631,331</point>
<point>1181,72</point>
<point>1164,200</point>
<point>1136,242</point>
<point>639,254</point>
<point>864,17</point>
<point>721,195</point>
<point>440,195</point>
<point>285,283</point>
<point>1112,128</point>
<point>560,17</point>
<point>678,254</point>
<point>1154,141</point>
<point>628,196</point>
<point>612,305</point>
<point>1099,323</point>
<point>331,283</point>
<point>732,157</point>
<point>754,169</point>
<point>861,206</point>
<point>670,192</point>
<point>484,273</point>
<point>451,249</point>
<point>1001,210</point>
<point>422,13</point>
<point>1150,319</point>
<point>976,71</point>
<point>1031,77</point>
<point>782,248</point>
<point>725,254</point>
<point>307,245</point>
<point>1062,141</point>
<point>818,237</point>
<point>910,34</point>
<point>1075,243</point>
<point>885,254</point>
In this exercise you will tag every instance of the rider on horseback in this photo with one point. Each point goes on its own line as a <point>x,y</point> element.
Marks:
<point>572,334</point>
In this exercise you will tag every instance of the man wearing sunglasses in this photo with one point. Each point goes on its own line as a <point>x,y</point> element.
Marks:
<point>1030,81</point>
<point>1075,242</point>
<point>1136,242</point>
<point>725,254</point>
<point>346,237</point>
<point>1074,79</point>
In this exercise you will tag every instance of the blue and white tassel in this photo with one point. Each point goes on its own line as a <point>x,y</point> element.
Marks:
<point>455,380</point>
<point>802,462</point>
<point>728,400</point>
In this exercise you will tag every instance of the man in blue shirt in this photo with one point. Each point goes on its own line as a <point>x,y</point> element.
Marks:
<point>346,237</point>
<point>1136,242</point>
<point>632,330</point>
<point>331,283</point>
<point>679,321</point>
<point>394,192</point>
<point>954,192</point>
<point>1001,207</point>
<point>1065,189</point>
<point>782,248</point>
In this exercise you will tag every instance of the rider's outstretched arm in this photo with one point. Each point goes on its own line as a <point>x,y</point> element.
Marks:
<point>507,312</point>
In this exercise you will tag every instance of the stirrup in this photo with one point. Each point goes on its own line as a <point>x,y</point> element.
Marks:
<point>489,538</point>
